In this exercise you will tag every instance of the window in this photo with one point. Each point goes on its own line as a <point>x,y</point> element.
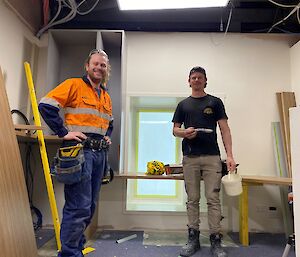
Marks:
<point>155,141</point>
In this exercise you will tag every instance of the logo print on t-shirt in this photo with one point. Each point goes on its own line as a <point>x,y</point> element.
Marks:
<point>208,110</point>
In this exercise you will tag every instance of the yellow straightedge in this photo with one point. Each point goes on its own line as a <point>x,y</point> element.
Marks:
<point>88,250</point>
<point>45,162</point>
<point>44,156</point>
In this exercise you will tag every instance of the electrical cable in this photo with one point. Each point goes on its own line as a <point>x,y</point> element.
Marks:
<point>296,8</point>
<point>45,12</point>
<point>42,30</point>
<point>67,18</point>
<point>282,5</point>
<point>227,26</point>
<point>66,4</point>
<point>228,22</point>
<point>74,9</point>
<point>88,11</point>
<point>35,212</point>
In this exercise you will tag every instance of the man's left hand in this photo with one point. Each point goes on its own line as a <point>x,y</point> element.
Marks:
<point>231,165</point>
<point>107,139</point>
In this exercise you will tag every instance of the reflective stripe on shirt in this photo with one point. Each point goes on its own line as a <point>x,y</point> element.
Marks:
<point>87,129</point>
<point>50,101</point>
<point>77,110</point>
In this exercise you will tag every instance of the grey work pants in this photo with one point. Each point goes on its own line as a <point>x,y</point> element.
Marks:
<point>209,168</point>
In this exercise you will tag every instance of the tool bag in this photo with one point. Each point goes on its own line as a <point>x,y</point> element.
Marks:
<point>67,165</point>
<point>108,175</point>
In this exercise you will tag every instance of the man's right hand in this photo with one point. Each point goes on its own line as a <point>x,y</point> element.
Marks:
<point>190,133</point>
<point>78,136</point>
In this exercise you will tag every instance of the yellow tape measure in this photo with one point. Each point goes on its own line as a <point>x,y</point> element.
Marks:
<point>70,151</point>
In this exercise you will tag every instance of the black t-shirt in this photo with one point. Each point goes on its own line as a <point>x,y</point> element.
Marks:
<point>202,112</point>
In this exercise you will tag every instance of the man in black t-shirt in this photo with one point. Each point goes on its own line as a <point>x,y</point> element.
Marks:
<point>200,113</point>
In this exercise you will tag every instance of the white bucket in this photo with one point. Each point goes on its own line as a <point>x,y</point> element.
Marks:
<point>232,184</point>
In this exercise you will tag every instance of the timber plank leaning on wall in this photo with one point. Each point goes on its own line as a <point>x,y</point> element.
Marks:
<point>17,236</point>
<point>285,101</point>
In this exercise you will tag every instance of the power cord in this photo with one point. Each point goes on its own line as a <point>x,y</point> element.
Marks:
<point>295,9</point>
<point>74,9</point>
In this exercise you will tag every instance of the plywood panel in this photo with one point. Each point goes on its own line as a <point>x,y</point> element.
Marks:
<point>285,101</point>
<point>17,236</point>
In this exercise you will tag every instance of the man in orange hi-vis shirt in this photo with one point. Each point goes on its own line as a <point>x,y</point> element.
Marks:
<point>88,122</point>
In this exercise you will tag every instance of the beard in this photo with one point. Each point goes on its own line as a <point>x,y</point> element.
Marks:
<point>96,79</point>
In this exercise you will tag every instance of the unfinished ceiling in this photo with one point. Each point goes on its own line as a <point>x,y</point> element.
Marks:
<point>252,16</point>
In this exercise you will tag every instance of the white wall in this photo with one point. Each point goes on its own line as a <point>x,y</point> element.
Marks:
<point>16,44</point>
<point>295,68</point>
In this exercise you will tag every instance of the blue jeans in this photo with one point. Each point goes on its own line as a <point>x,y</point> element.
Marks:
<point>80,204</point>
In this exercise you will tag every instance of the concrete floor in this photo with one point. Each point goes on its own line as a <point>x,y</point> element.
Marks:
<point>151,238</point>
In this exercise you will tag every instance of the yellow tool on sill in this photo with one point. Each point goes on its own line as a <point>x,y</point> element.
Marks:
<point>70,151</point>
<point>155,168</point>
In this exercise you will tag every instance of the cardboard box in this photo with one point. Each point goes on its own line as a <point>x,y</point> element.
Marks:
<point>173,169</point>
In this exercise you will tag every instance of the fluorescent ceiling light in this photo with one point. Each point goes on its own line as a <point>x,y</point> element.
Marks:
<point>168,4</point>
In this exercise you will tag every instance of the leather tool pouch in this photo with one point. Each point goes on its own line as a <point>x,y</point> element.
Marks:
<point>67,166</point>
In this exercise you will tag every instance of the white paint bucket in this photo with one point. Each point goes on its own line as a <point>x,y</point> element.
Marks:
<point>232,184</point>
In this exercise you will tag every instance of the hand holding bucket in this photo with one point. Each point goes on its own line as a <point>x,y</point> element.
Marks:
<point>232,184</point>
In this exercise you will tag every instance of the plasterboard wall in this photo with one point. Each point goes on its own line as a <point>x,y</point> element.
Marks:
<point>295,68</point>
<point>17,45</point>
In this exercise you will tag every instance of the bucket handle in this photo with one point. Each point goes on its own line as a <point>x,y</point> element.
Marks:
<point>234,172</point>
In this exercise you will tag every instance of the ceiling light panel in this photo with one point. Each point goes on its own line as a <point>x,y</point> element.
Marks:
<point>169,4</point>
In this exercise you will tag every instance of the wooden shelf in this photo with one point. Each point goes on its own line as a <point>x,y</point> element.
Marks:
<point>29,138</point>
<point>28,127</point>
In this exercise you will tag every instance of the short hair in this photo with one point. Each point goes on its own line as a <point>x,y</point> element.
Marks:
<point>102,53</point>
<point>198,69</point>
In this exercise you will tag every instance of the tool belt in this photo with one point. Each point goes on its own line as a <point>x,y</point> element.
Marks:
<point>95,144</point>
<point>67,165</point>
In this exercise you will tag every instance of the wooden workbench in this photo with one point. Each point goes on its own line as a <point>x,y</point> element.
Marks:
<point>243,201</point>
<point>243,198</point>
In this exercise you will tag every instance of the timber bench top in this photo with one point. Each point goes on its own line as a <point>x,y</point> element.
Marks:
<point>245,178</point>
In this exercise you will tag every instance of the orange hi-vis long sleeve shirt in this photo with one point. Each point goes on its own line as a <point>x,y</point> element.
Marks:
<point>85,111</point>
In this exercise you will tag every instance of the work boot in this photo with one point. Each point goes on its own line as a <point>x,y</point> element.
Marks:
<point>216,247</point>
<point>193,244</point>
